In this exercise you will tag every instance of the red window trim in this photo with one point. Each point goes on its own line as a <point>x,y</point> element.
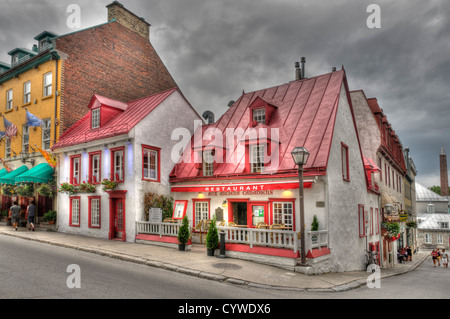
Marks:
<point>113,150</point>
<point>377,229</point>
<point>363,233</point>
<point>273,200</point>
<point>91,154</point>
<point>79,213</point>
<point>158,164</point>
<point>71,169</point>
<point>185,202</point>
<point>344,147</point>
<point>90,198</point>
<point>196,200</point>
<point>371,220</point>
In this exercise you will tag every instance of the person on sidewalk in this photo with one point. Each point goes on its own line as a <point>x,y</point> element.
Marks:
<point>409,251</point>
<point>14,213</point>
<point>434,254</point>
<point>444,258</point>
<point>31,214</point>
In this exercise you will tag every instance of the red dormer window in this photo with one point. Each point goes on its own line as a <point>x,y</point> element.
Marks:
<point>261,112</point>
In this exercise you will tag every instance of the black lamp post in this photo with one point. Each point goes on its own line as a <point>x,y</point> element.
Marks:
<point>300,156</point>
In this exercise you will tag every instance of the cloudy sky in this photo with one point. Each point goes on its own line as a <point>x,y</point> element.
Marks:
<point>216,48</point>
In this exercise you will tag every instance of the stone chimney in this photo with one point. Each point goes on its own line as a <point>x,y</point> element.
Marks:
<point>444,173</point>
<point>128,19</point>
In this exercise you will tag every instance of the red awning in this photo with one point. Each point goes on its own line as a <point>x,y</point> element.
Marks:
<point>238,187</point>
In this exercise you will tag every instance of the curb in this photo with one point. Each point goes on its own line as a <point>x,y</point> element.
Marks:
<point>211,276</point>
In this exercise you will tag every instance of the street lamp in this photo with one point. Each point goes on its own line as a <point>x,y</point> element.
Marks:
<point>300,156</point>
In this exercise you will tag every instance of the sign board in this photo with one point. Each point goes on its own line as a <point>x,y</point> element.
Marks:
<point>403,217</point>
<point>155,215</point>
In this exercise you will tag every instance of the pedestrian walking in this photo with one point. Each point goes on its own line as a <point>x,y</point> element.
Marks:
<point>31,214</point>
<point>14,213</point>
<point>444,258</point>
<point>409,250</point>
<point>438,257</point>
<point>434,254</point>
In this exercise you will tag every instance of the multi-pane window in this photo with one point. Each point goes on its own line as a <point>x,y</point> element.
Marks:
<point>201,211</point>
<point>428,238</point>
<point>48,81</point>
<point>94,212</point>
<point>94,168</point>
<point>283,213</point>
<point>257,158</point>
<point>150,164</point>
<point>75,211</point>
<point>75,170</point>
<point>8,147</point>
<point>208,163</point>
<point>259,116</point>
<point>440,239</point>
<point>46,131</point>
<point>27,92</point>
<point>95,114</point>
<point>25,139</point>
<point>118,167</point>
<point>9,100</point>
<point>362,221</point>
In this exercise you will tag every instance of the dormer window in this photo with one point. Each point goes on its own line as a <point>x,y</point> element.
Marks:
<point>208,163</point>
<point>257,158</point>
<point>259,116</point>
<point>95,115</point>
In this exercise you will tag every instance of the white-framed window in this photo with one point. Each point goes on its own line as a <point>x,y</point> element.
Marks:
<point>118,167</point>
<point>150,164</point>
<point>283,213</point>
<point>8,147</point>
<point>430,208</point>
<point>95,175</point>
<point>75,170</point>
<point>257,158</point>
<point>259,116</point>
<point>25,139</point>
<point>440,239</point>
<point>208,163</point>
<point>9,100</point>
<point>27,92</point>
<point>46,134</point>
<point>443,224</point>
<point>201,211</point>
<point>94,212</point>
<point>75,211</point>
<point>48,84</point>
<point>428,238</point>
<point>95,114</point>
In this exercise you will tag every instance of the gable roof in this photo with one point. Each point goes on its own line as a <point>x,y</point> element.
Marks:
<point>130,115</point>
<point>423,194</point>
<point>305,116</point>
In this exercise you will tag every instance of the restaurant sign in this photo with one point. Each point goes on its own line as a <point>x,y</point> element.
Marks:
<point>258,188</point>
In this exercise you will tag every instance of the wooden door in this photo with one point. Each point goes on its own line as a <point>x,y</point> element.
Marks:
<point>119,218</point>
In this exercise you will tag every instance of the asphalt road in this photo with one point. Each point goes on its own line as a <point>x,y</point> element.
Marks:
<point>31,270</point>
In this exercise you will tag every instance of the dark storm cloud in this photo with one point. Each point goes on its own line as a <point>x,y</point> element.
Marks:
<point>215,49</point>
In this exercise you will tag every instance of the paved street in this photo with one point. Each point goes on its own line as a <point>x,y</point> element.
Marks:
<point>30,269</point>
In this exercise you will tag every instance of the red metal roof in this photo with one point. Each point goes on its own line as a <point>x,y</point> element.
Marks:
<point>305,116</point>
<point>129,114</point>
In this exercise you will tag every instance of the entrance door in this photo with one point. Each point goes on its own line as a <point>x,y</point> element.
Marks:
<point>257,214</point>
<point>119,218</point>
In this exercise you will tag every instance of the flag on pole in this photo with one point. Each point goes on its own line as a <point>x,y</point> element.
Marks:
<point>33,120</point>
<point>8,169</point>
<point>49,157</point>
<point>10,128</point>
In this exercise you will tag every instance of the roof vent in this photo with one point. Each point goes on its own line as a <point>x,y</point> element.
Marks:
<point>209,117</point>
<point>230,104</point>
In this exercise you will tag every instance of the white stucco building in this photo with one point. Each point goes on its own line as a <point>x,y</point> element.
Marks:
<point>128,143</point>
<point>249,177</point>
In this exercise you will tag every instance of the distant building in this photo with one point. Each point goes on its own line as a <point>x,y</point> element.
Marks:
<point>433,219</point>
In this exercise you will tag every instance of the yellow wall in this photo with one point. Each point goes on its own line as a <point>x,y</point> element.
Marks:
<point>42,107</point>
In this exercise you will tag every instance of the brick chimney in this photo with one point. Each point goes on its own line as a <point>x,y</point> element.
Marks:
<point>444,173</point>
<point>128,19</point>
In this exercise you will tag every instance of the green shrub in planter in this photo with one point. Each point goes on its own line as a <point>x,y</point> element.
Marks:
<point>183,234</point>
<point>50,216</point>
<point>212,238</point>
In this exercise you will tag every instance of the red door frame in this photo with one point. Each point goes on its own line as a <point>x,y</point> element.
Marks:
<point>113,197</point>
<point>249,209</point>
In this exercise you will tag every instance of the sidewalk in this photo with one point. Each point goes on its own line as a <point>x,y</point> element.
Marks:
<point>196,263</point>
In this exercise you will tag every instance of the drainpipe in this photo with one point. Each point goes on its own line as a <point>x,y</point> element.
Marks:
<point>56,95</point>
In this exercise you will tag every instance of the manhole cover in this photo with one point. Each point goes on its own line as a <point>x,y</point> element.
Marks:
<point>227,266</point>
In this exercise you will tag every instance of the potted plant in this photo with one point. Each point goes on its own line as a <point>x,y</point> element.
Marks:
<point>393,230</point>
<point>25,190</point>
<point>47,190</point>
<point>315,227</point>
<point>109,185</point>
<point>50,217</point>
<point>411,224</point>
<point>68,188</point>
<point>87,187</point>
<point>212,238</point>
<point>183,234</point>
